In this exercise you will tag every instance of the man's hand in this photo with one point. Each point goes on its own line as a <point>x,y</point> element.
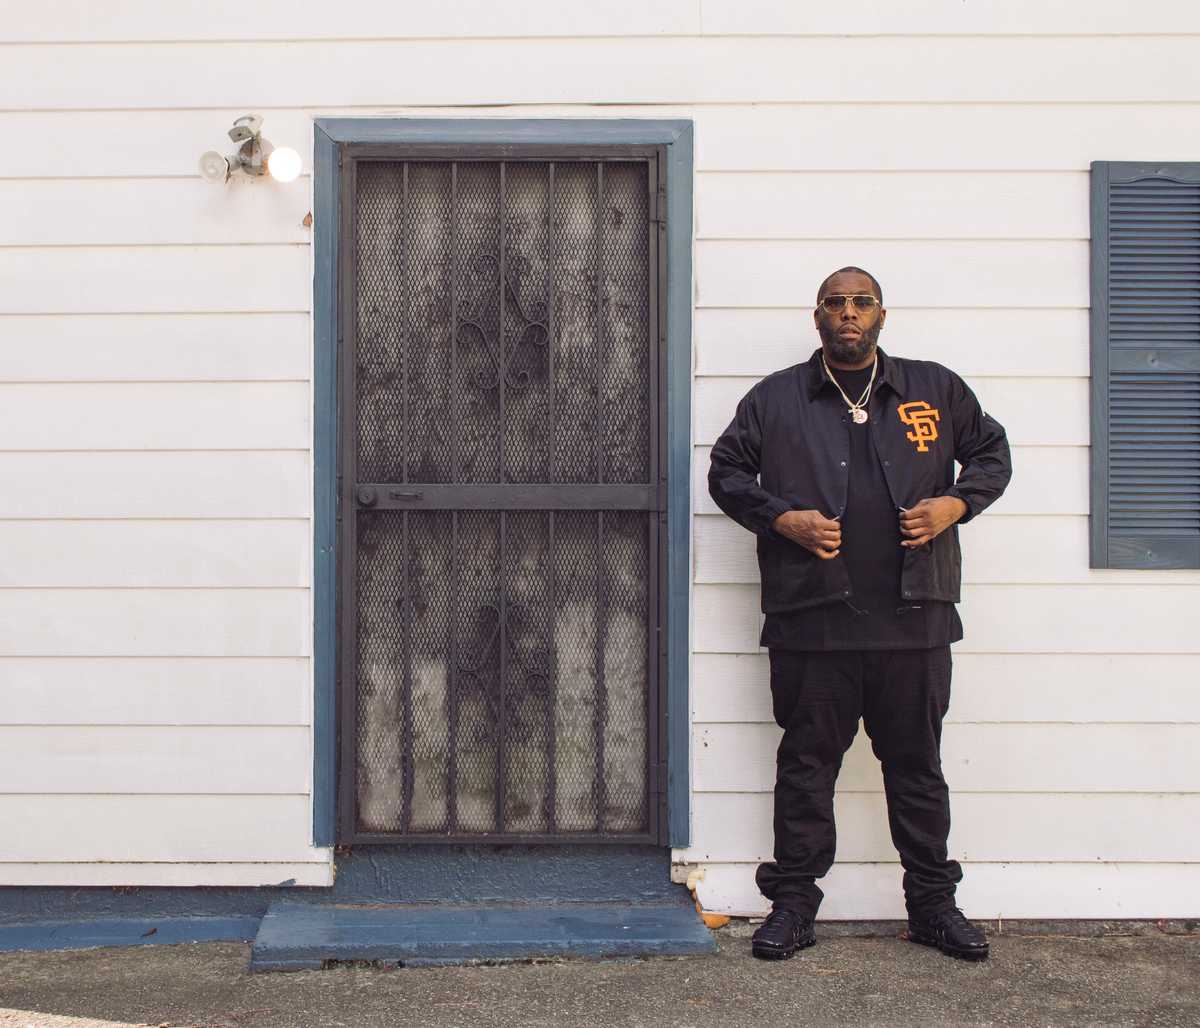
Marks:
<point>812,530</point>
<point>927,519</point>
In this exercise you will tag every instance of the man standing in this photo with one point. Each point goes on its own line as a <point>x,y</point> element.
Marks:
<point>843,466</point>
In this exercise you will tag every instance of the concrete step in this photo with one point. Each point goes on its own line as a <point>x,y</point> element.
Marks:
<point>299,936</point>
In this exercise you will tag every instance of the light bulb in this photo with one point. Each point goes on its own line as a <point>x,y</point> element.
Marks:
<point>283,164</point>
<point>213,167</point>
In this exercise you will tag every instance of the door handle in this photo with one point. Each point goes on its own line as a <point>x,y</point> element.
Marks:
<point>396,494</point>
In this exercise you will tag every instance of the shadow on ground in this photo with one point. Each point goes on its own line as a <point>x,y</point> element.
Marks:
<point>1148,978</point>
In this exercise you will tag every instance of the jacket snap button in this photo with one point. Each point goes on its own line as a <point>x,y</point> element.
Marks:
<point>843,463</point>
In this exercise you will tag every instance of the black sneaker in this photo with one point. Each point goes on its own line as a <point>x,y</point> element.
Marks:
<point>951,932</point>
<point>781,934</point>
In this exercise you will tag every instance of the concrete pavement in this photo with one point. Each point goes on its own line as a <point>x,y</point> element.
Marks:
<point>1112,974</point>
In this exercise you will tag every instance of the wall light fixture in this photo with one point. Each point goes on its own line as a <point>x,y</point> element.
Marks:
<point>254,155</point>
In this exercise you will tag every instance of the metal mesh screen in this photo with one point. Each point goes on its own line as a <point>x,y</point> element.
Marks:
<point>502,677</point>
<point>550,383</point>
<point>503,657</point>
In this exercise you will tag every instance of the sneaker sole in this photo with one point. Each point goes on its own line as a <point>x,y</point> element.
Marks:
<point>770,953</point>
<point>950,951</point>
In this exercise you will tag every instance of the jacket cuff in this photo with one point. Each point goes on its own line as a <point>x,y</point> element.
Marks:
<point>971,511</point>
<point>764,516</point>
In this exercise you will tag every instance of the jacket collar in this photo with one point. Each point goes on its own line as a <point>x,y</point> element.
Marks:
<point>890,373</point>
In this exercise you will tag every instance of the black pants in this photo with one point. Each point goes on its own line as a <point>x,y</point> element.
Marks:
<point>818,697</point>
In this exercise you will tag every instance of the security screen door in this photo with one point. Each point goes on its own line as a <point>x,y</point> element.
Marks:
<point>501,495</point>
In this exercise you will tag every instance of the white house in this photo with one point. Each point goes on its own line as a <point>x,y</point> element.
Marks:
<point>170,641</point>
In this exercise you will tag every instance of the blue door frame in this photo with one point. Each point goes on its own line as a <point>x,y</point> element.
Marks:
<point>330,134</point>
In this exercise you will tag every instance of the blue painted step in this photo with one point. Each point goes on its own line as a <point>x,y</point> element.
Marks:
<point>91,932</point>
<point>296,936</point>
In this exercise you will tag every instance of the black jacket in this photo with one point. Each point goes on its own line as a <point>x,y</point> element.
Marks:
<point>788,448</point>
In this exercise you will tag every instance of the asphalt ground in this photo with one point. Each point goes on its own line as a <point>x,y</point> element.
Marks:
<point>1112,975</point>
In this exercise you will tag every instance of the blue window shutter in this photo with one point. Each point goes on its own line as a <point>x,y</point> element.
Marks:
<point>1145,331</point>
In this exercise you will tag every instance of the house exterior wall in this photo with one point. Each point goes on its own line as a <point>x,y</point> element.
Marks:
<point>156,396</point>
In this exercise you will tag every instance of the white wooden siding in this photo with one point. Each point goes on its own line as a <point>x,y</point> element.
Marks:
<point>371,72</point>
<point>155,690</point>
<point>79,21</point>
<point>166,279</point>
<point>154,622</point>
<point>938,138</point>
<point>155,398</point>
<point>127,759</point>
<point>137,554</point>
<point>155,347</point>
<point>187,484</point>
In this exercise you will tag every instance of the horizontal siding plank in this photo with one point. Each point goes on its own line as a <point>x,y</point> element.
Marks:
<point>1001,618</point>
<point>1018,687</point>
<point>154,622</point>
<point>67,212</point>
<point>154,759</point>
<point>1044,342</point>
<point>766,205</point>
<point>96,143</point>
<point>317,873</point>
<point>1008,891</point>
<point>156,828</point>
<point>944,137</point>
<point>156,485</point>
<point>980,758</point>
<point>614,70</point>
<point>76,20</point>
<point>208,554</point>
<point>155,347</point>
<point>737,827</point>
<point>153,280</point>
<point>905,205</point>
<point>158,416</point>
<point>79,21</point>
<point>995,550</point>
<point>1061,406</point>
<point>150,690</point>
<point>950,17</point>
<point>923,273</point>
<point>736,137</point>
<point>1046,480</point>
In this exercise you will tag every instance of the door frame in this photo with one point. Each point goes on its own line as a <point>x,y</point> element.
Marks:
<point>332,137</point>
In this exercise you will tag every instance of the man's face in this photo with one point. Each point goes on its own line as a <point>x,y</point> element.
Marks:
<point>849,335</point>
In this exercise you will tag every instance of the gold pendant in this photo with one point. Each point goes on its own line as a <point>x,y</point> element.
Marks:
<point>859,415</point>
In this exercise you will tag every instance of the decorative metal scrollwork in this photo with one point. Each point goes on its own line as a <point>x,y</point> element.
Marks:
<point>533,330</point>
<point>522,675</point>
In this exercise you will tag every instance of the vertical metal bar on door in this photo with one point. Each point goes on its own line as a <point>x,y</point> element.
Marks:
<point>501,693</point>
<point>601,696</point>
<point>552,559</point>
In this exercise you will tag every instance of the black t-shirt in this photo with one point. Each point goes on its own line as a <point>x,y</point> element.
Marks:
<point>875,618</point>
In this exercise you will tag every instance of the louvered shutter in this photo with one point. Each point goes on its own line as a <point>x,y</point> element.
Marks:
<point>1145,365</point>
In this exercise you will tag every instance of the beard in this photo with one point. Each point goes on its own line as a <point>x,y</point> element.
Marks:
<point>849,351</point>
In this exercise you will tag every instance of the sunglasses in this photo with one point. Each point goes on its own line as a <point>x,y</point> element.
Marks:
<point>835,302</point>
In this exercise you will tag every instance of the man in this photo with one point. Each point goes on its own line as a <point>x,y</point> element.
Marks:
<point>843,466</point>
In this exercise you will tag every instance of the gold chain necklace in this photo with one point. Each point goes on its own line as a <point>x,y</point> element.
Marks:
<point>857,411</point>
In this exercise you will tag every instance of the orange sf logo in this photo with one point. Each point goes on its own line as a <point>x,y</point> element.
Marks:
<point>923,419</point>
